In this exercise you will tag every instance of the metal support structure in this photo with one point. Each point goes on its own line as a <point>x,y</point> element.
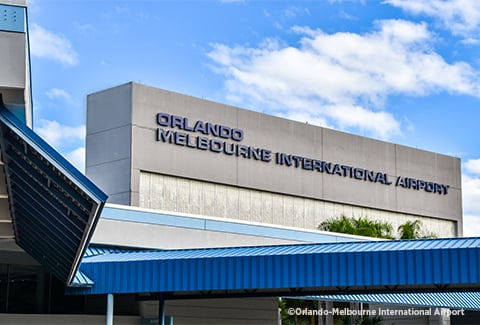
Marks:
<point>109,318</point>
<point>329,317</point>
<point>161,311</point>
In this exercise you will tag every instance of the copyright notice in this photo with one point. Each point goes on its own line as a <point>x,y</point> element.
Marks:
<point>375,312</point>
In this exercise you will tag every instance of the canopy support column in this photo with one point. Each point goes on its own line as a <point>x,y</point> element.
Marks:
<point>161,311</point>
<point>109,320</point>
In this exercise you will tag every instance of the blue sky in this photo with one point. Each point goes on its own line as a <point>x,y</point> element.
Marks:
<point>404,71</point>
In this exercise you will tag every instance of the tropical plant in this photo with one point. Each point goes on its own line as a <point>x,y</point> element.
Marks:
<point>360,226</point>
<point>413,230</point>
<point>285,304</point>
<point>373,228</point>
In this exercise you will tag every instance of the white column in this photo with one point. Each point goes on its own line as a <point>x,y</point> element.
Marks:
<point>109,309</point>
<point>329,317</point>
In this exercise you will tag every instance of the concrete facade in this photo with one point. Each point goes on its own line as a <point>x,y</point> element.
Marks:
<point>14,84</point>
<point>130,154</point>
<point>126,226</point>
<point>14,63</point>
<point>164,192</point>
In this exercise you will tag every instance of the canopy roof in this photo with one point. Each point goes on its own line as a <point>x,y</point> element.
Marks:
<point>54,207</point>
<point>455,300</point>
<point>333,268</point>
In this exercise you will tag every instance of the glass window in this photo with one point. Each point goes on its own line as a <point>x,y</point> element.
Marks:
<point>3,287</point>
<point>26,289</point>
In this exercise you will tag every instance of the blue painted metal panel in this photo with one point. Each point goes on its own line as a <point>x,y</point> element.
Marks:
<point>455,300</point>
<point>315,266</point>
<point>54,207</point>
<point>81,280</point>
<point>94,250</point>
<point>12,18</point>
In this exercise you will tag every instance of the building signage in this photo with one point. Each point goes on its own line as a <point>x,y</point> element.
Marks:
<point>222,139</point>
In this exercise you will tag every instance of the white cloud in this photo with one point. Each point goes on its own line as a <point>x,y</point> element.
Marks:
<point>471,205</point>
<point>58,135</point>
<point>342,78</point>
<point>472,166</point>
<point>77,158</point>
<point>471,197</point>
<point>57,93</point>
<point>471,226</point>
<point>294,11</point>
<point>46,44</point>
<point>63,138</point>
<point>461,17</point>
<point>381,123</point>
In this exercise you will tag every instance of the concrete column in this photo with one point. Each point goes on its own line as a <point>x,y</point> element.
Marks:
<point>440,316</point>
<point>320,318</point>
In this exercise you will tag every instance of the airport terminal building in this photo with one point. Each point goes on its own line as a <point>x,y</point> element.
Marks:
<point>157,149</point>
<point>208,213</point>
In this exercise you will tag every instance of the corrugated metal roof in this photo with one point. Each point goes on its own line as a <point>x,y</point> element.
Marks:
<point>99,250</point>
<point>54,207</point>
<point>81,280</point>
<point>296,249</point>
<point>427,263</point>
<point>454,300</point>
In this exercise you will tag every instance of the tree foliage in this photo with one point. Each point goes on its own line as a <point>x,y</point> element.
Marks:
<point>413,230</point>
<point>358,226</point>
<point>371,228</point>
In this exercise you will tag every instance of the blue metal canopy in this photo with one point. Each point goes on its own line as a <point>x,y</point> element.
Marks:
<point>54,207</point>
<point>352,267</point>
<point>455,300</point>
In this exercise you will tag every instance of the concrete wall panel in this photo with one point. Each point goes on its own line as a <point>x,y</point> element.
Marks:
<point>161,192</point>
<point>279,136</point>
<point>172,159</point>
<point>108,142</point>
<point>358,151</point>
<point>135,234</point>
<point>12,64</point>
<point>108,146</point>
<point>109,109</point>
<point>113,178</point>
